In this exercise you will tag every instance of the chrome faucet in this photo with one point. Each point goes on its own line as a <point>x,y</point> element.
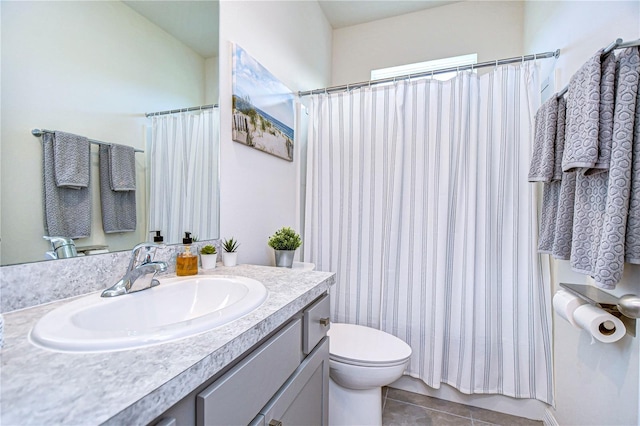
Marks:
<point>140,273</point>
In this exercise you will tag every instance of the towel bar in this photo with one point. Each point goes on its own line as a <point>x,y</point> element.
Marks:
<point>39,132</point>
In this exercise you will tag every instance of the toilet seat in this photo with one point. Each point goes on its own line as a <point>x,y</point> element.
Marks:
<point>364,346</point>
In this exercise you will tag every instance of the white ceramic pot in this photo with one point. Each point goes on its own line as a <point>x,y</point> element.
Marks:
<point>230,259</point>
<point>208,261</point>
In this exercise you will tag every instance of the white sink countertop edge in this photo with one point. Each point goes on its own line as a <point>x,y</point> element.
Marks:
<point>135,386</point>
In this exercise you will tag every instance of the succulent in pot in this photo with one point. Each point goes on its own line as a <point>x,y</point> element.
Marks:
<point>285,242</point>
<point>230,255</point>
<point>208,257</point>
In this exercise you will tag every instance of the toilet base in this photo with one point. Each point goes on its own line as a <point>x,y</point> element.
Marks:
<point>349,407</point>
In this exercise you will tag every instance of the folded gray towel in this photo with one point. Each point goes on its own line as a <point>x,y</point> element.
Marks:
<point>609,263</point>
<point>118,207</point>
<point>583,106</point>
<point>71,156</point>
<point>632,239</point>
<point>122,163</point>
<point>542,164</point>
<point>67,212</point>
<point>605,120</point>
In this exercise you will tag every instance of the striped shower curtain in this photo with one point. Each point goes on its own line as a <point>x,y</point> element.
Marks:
<point>417,197</point>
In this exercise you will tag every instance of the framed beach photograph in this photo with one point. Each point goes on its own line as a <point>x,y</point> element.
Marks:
<point>263,108</point>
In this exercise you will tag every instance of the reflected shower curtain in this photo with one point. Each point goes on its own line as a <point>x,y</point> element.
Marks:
<point>183,177</point>
<point>417,197</point>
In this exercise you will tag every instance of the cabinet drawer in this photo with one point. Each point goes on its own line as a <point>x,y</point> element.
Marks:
<point>316,324</point>
<point>303,400</point>
<point>238,396</point>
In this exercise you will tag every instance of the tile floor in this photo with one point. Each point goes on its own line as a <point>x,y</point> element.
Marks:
<point>407,408</point>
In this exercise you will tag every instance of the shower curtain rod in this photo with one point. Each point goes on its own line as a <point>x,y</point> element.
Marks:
<point>347,87</point>
<point>617,44</point>
<point>174,111</point>
<point>39,132</point>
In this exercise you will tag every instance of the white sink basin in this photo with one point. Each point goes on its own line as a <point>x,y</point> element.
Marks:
<point>177,308</point>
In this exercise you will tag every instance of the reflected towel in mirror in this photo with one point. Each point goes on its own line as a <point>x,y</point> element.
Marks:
<point>122,166</point>
<point>118,207</point>
<point>71,155</point>
<point>67,211</point>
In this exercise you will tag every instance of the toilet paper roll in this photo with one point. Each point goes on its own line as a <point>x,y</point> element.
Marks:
<point>565,304</point>
<point>602,325</point>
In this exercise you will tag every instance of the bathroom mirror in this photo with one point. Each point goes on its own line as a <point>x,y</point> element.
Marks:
<point>94,69</point>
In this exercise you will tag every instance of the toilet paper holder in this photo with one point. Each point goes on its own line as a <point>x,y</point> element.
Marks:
<point>627,307</point>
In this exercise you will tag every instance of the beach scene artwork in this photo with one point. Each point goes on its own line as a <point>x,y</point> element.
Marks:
<point>263,109</point>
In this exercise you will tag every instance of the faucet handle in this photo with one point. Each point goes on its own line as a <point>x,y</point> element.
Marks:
<point>136,259</point>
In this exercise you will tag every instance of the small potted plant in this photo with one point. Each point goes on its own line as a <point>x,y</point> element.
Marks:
<point>285,242</point>
<point>230,247</point>
<point>208,257</point>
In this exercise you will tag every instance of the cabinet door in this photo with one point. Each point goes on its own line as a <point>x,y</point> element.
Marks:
<point>303,399</point>
<point>236,398</point>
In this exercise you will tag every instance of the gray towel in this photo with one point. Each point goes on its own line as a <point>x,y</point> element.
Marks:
<point>609,263</point>
<point>118,207</point>
<point>548,215</point>
<point>583,105</point>
<point>591,156</point>
<point>605,121</point>
<point>67,212</point>
<point>71,160</point>
<point>560,137</point>
<point>552,190</point>
<point>632,240</point>
<point>543,157</point>
<point>122,163</point>
<point>564,217</point>
<point>588,219</point>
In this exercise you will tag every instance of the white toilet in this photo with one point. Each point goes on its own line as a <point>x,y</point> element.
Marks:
<point>361,361</point>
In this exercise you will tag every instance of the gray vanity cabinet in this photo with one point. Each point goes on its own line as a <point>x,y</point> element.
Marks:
<point>303,400</point>
<point>283,381</point>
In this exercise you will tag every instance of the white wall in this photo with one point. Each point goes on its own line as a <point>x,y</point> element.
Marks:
<point>492,29</point>
<point>258,191</point>
<point>596,384</point>
<point>91,68</point>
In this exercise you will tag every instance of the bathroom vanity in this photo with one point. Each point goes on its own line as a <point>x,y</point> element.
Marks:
<point>266,367</point>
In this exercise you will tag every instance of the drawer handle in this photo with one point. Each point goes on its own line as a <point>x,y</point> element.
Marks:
<point>324,321</point>
<point>275,423</point>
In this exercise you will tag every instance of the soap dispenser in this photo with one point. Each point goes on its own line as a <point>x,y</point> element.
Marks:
<point>187,262</point>
<point>158,238</point>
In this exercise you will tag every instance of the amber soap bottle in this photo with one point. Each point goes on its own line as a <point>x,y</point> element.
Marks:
<point>186,262</point>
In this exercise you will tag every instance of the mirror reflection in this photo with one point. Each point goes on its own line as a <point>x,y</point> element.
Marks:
<point>94,69</point>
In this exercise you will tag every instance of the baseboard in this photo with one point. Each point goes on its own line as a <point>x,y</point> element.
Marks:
<point>548,419</point>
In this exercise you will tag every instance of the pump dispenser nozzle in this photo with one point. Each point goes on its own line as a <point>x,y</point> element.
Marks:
<point>157,238</point>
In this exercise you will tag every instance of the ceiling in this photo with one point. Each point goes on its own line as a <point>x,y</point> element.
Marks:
<point>344,13</point>
<point>195,22</point>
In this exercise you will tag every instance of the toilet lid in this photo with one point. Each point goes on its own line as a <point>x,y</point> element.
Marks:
<point>359,345</point>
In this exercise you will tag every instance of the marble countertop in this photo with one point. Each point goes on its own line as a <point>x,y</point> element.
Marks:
<point>135,386</point>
